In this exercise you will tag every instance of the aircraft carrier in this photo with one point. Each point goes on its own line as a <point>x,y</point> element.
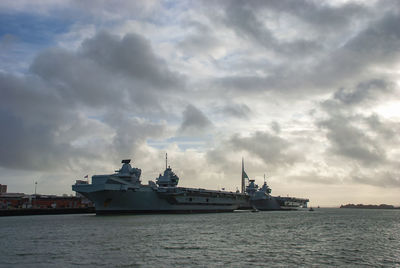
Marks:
<point>261,198</point>
<point>123,192</point>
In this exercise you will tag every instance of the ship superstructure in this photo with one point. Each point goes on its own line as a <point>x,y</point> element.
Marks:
<point>261,198</point>
<point>123,192</point>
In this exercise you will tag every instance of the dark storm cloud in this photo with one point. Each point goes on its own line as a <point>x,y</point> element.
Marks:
<point>272,149</point>
<point>365,139</point>
<point>379,41</point>
<point>376,46</point>
<point>245,23</point>
<point>132,56</point>
<point>108,70</point>
<point>249,17</point>
<point>241,17</point>
<point>114,79</point>
<point>359,140</point>
<point>345,101</point>
<point>322,18</point>
<point>362,92</point>
<point>253,20</point>
<point>32,119</point>
<point>386,130</point>
<point>344,44</point>
<point>276,152</point>
<point>130,132</point>
<point>73,78</point>
<point>194,121</point>
<point>352,142</point>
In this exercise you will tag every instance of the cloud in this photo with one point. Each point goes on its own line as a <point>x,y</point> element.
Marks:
<point>275,127</point>
<point>315,178</point>
<point>75,79</point>
<point>109,70</point>
<point>293,30</point>
<point>364,91</point>
<point>263,151</point>
<point>235,110</point>
<point>272,149</point>
<point>131,132</point>
<point>131,56</point>
<point>361,142</point>
<point>352,142</point>
<point>386,129</point>
<point>201,39</point>
<point>33,120</point>
<point>333,50</point>
<point>194,122</point>
<point>375,46</point>
<point>242,18</point>
<point>379,179</point>
<point>75,104</point>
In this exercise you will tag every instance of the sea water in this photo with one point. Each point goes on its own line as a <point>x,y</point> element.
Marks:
<point>322,238</point>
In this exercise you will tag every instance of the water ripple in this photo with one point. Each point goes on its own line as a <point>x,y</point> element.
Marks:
<point>323,238</point>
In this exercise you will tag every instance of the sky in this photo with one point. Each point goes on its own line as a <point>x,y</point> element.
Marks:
<point>307,92</point>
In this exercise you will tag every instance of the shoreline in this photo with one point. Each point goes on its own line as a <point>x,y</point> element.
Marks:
<point>381,206</point>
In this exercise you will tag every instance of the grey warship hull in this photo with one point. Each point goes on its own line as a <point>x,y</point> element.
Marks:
<point>261,198</point>
<point>122,194</point>
<point>278,203</point>
<point>148,200</point>
<point>265,204</point>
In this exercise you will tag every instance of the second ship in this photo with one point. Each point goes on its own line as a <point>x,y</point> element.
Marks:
<point>261,198</point>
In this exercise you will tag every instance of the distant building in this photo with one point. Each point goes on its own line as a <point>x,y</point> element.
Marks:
<point>20,201</point>
<point>38,201</point>
<point>3,188</point>
<point>12,200</point>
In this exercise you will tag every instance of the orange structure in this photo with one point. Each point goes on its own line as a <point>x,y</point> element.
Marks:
<point>22,201</point>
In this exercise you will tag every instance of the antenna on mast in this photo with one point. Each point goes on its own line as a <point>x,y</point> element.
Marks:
<point>264,177</point>
<point>243,176</point>
<point>166,160</point>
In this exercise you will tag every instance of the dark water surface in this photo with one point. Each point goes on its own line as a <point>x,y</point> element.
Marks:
<point>323,238</point>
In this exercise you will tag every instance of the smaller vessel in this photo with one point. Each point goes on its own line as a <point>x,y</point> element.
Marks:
<point>261,198</point>
<point>311,209</point>
<point>254,210</point>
